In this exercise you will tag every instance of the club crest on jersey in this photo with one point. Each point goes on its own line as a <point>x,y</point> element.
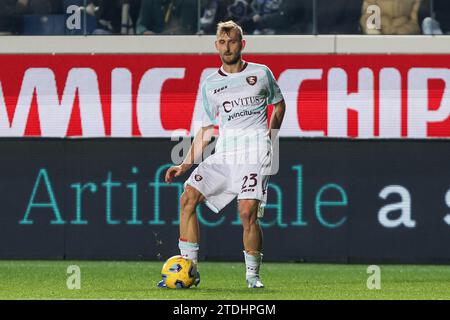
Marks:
<point>198,177</point>
<point>251,80</point>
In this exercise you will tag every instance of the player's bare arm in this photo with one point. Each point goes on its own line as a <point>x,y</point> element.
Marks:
<point>201,140</point>
<point>277,117</point>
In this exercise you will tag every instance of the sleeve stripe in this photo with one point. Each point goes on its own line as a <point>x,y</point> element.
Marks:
<point>206,103</point>
<point>270,79</point>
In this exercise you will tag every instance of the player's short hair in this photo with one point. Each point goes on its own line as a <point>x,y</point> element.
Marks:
<point>227,27</point>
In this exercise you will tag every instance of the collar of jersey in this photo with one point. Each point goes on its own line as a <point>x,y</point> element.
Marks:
<point>222,72</point>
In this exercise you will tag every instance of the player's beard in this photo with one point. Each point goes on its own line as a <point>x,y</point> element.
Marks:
<point>234,59</point>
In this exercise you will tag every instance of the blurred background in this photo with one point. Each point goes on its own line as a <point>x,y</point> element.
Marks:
<point>91,93</point>
<point>189,17</point>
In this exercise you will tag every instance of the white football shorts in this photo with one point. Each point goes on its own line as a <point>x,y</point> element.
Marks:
<point>221,177</point>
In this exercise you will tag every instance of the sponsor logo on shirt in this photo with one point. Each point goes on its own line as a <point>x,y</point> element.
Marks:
<point>219,89</point>
<point>227,106</point>
<point>242,102</point>
<point>242,114</point>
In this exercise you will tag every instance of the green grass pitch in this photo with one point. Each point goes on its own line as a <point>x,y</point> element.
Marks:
<point>286,281</point>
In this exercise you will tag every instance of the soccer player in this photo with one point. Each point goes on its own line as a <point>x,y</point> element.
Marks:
<point>237,95</point>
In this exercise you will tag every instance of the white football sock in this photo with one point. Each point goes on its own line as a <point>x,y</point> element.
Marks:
<point>189,250</point>
<point>252,263</point>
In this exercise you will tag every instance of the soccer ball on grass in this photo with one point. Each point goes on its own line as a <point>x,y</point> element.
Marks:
<point>178,272</point>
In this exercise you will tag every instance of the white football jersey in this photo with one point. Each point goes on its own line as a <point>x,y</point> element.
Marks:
<point>238,102</point>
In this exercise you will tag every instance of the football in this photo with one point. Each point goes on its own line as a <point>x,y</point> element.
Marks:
<point>178,272</point>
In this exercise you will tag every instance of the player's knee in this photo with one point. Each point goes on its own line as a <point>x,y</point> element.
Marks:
<point>187,200</point>
<point>248,217</point>
<point>190,198</point>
